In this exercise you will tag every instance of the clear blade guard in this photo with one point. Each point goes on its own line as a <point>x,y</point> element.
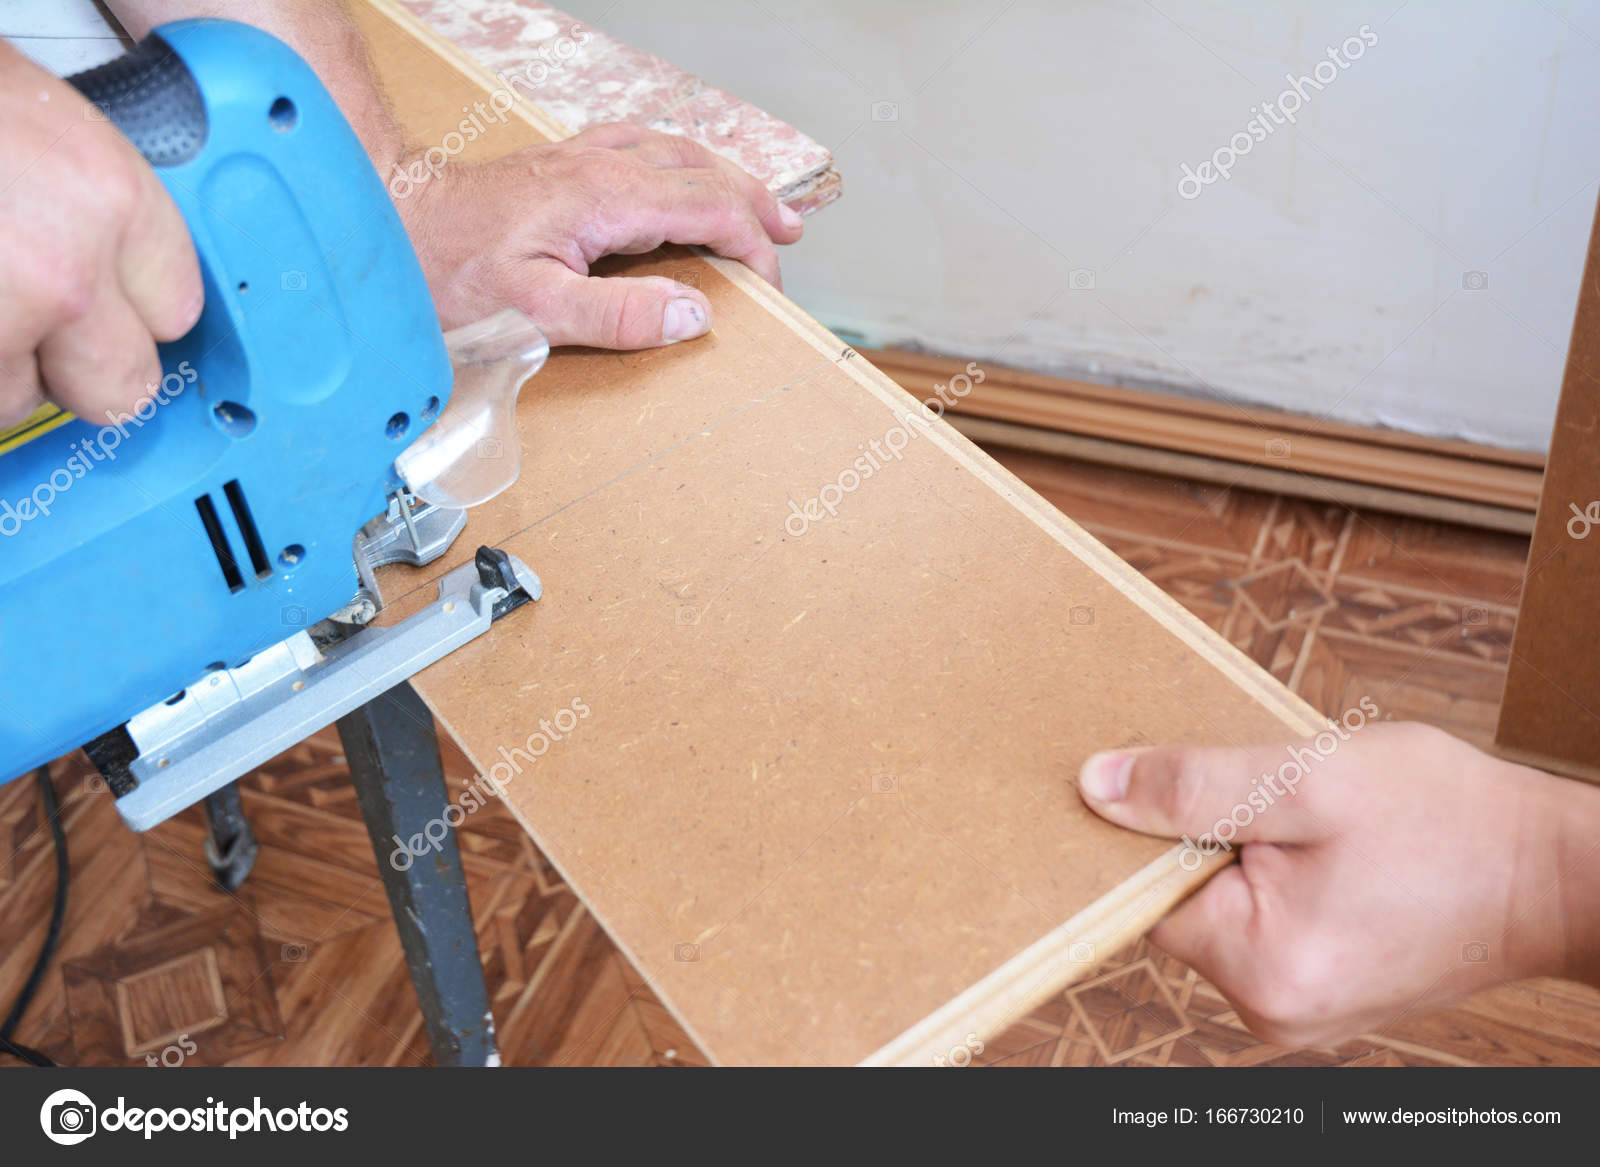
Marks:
<point>472,452</point>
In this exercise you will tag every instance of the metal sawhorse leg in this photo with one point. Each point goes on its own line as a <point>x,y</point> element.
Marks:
<point>393,752</point>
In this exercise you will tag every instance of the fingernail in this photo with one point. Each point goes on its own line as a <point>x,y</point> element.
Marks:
<point>1104,777</point>
<point>790,216</point>
<point>683,319</point>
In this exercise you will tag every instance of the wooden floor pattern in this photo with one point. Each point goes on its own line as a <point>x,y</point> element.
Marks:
<point>304,967</point>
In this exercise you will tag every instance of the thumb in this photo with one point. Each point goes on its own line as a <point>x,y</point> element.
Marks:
<point>615,312</point>
<point>1256,794</point>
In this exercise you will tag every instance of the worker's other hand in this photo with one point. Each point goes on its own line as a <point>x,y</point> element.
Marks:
<point>96,264</point>
<point>524,230</point>
<point>1403,870</point>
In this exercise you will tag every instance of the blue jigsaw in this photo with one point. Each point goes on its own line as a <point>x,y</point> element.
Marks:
<point>188,587</point>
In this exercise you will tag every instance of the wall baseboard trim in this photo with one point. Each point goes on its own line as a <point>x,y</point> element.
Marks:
<point>1439,478</point>
<point>997,435</point>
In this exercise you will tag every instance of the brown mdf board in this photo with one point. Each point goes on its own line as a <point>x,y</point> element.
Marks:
<point>816,783</point>
<point>1550,708</point>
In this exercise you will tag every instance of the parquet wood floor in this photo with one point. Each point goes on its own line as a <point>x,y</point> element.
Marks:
<point>304,967</point>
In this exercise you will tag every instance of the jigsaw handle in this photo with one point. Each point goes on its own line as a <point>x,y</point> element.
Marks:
<point>150,95</point>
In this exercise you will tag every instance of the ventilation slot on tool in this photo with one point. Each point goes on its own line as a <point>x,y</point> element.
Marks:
<point>219,543</point>
<point>247,528</point>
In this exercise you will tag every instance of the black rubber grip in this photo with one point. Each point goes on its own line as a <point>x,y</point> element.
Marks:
<point>150,95</point>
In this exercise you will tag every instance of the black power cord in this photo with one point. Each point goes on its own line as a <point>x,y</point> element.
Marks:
<point>52,937</point>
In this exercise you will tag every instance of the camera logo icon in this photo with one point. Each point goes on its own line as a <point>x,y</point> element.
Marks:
<point>68,1117</point>
<point>292,281</point>
<point>1081,279</point>
<point>1080,615</point>
<point>1475,952</point>
<point>1474,281</point>
<point>686,953</point>
<point>489,448</point>
<point>294,616</point>
<point>885,111</point>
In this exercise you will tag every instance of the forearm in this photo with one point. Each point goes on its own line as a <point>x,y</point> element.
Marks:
<point>321,32</point>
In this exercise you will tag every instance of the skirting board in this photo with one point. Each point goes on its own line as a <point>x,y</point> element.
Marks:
<point>1286,453</point>
<point>1199,467</point>
<point>818,784</point>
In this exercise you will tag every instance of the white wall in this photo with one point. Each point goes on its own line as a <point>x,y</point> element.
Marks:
<point>65,36</point>
<point>1035,139</point>
<point>1326,275</point>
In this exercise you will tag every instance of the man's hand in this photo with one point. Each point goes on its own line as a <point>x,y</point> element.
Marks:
<point>1404,870</point>
<point>524,230</point>
<point>96,264</point>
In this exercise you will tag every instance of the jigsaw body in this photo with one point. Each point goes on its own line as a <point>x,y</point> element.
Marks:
<point>158,574</point>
